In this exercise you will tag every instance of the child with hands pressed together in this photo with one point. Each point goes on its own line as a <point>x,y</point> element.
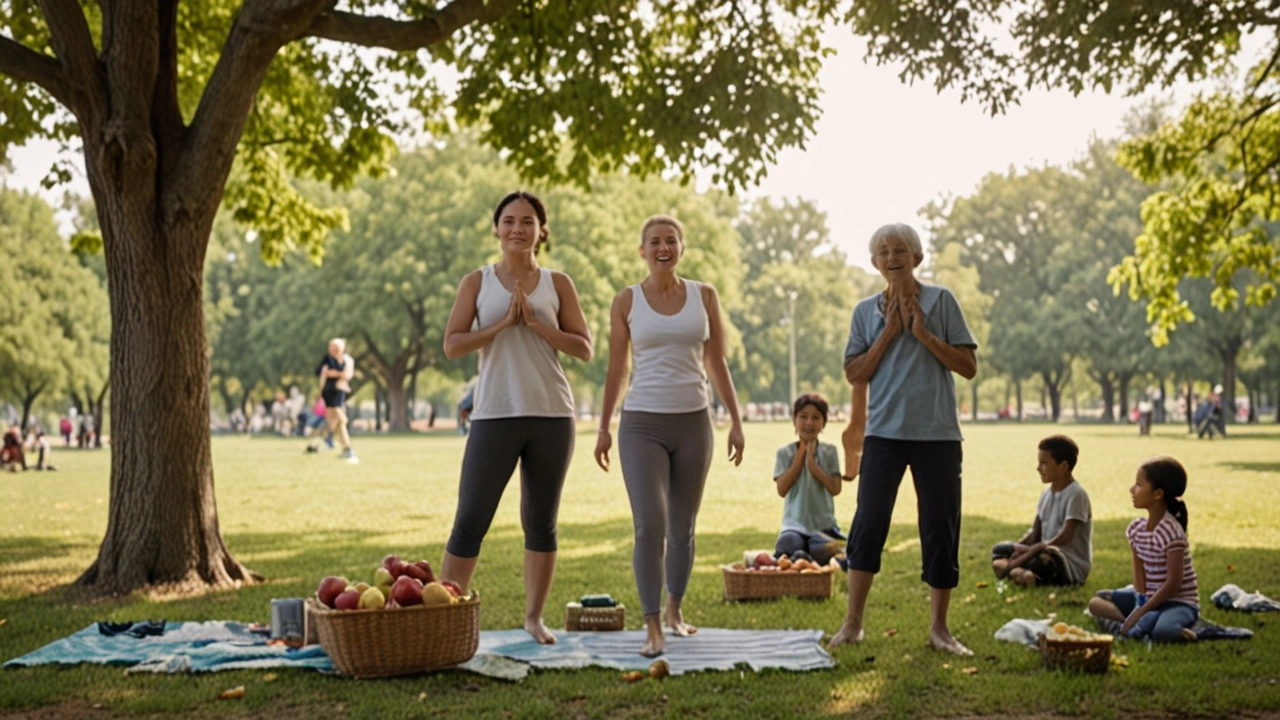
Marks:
<point>807,474</point>
<point>1165,602</point>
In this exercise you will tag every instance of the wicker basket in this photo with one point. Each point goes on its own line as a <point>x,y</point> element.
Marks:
<point>577,617</point>
<point>762,585</point>
<point>1090,656</point>
<point>399,641</point>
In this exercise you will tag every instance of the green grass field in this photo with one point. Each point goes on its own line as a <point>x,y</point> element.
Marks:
<point>296,519</point>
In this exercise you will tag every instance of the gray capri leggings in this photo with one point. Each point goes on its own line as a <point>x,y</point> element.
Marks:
<point>543,447</point>
<point>665,458</point>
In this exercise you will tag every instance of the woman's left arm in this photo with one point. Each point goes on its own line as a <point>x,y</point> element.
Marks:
<point>718,370</point>
<point>573,337</point>
<point>959,359</point>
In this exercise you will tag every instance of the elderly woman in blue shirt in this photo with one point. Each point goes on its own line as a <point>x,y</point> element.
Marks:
<point>905,342</point>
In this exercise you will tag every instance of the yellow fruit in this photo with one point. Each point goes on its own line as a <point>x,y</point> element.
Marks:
<point>1060,627</point>
<point>436,594</point>
<point>784,563</point>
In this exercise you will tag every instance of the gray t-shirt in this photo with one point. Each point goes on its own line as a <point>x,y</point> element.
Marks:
<point>808,506</point>
<point>912,396</point>
<point>1054,510</point>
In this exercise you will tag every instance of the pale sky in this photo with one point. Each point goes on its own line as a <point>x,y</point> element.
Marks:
<point>882,149</point>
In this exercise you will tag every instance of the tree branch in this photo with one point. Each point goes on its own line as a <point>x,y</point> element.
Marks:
<point>26,65</point>
<point>384,32</point>
<point>259,31</point>
<point>73,44</point>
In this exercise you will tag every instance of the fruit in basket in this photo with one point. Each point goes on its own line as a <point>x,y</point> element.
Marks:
<point>360,587</point>
<point>1062,632</point>
<point>330,588</point>
<point>382,579</point>
<point>764,559</point>
<point>436,594</point>
<point>452,587</point>
<point>406,591</point>
<point>784,563</point>
<point>372,599</point>
<point>425,567</point>
<point>347,600</point>
<point>394,565</point>
<point>415,571</point>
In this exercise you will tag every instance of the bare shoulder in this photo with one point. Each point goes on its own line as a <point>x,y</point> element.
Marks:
<point>708,292</point>
<point>622,301</point>
<point>471,281</point>
<point>562,282</point>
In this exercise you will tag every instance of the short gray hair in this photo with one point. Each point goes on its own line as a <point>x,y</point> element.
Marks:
<point>901,231</point>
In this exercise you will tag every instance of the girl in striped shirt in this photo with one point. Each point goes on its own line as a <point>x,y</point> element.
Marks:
<point>1165,604</point>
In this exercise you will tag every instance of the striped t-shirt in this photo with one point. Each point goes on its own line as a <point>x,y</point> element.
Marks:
<point>1152,548</point>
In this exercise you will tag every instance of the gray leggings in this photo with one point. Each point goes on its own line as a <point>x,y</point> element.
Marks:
<point>543,447</point>
<point>665,458</point>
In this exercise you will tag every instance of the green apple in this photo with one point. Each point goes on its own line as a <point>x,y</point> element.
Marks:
<point>382,578</point>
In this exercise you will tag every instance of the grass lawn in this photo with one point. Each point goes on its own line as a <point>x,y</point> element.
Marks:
<point>296,519</point>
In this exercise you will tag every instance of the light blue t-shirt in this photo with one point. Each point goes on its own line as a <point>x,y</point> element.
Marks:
<point>808,506</point>
<point>912,396</point>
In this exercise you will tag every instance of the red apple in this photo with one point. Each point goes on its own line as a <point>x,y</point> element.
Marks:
<point>415,572</point>
<point>452,587</point>
<point>330,588</point>
<point>394,565</point>
<point>764,559</point>
<point>347,600</point>
<point>426,567</point>
<point>406,591</point>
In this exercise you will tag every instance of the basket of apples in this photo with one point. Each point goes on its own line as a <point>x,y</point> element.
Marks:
<point>760,576</point>
<point>405,622</point>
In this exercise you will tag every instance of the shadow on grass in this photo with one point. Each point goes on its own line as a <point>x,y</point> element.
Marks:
<point>1251,466</point>
<point>890,674</point>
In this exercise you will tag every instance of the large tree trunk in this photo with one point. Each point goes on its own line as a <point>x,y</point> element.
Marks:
<point>1191,407</point>
<point>1108,396</point>
<point>1160,409</point>
<point>162,527</point>
<point>1123,381</point>
<point>974,389</point>
<point>1017,386</point>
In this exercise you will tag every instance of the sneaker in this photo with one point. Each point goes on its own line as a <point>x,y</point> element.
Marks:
<point>312,450</point>
<point>350,456</point>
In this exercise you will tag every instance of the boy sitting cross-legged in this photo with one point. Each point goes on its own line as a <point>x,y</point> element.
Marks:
<point>1058,550</point>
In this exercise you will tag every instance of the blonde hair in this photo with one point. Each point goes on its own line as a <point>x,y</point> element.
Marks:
<point>662,220</point>
<point>340,342</point>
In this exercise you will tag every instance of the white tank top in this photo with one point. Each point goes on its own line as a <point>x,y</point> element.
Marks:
<point>520,373</point>
<point>666,355</point>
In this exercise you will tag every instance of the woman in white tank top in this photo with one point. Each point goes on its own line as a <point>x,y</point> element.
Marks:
<point>518,317</point>
<point>672,329</point>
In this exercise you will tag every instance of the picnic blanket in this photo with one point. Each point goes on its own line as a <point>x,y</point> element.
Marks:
<point>504,654</point>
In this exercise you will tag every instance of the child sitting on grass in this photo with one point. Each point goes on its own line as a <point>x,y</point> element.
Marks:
<point>1165,604</point>
<point>1058,549</point>
<point>807,474</point>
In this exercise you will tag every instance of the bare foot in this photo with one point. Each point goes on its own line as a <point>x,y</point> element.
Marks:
<point>677,625</point>
<point>654,643</point>
<point>534,627</point>
<point>1188,634</point>
<point>947,643</point>
<point>1023,577</point>
<point>1001,567</point>
<point>846,635</point>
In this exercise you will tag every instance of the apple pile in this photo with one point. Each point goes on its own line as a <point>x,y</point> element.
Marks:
<point>764,562</point>
<point>396,584</point>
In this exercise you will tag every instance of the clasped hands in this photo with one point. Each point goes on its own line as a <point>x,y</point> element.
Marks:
<point>902,312</point>
<point>520,311</point>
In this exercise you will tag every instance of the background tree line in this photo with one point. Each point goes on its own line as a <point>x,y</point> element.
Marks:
<point>1027,253</point>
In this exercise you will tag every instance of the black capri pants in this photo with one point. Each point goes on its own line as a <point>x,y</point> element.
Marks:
<point>543,447</point>
<point>935,470</point>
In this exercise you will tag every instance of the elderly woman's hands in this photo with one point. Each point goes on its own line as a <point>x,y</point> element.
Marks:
<point>914,317</point>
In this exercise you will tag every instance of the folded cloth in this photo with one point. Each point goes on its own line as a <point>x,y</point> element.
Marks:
<point>1231,597</point>
<point>1027,632</point>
